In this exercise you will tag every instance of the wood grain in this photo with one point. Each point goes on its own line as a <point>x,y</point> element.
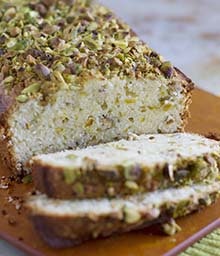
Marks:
<point>205,113</point>
<point>204,119</point>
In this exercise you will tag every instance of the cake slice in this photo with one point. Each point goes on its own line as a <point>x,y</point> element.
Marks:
<point>141,164</point>
<point>73,75</point>
<point>64,223</point>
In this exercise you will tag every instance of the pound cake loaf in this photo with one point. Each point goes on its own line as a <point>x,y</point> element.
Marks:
<point>73,75</point>
<point>142,164</point>
<point>63,223</point>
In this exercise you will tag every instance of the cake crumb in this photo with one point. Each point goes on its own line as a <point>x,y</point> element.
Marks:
<point>16,201</point>
<point>12,222</point>
<point>4,212</point>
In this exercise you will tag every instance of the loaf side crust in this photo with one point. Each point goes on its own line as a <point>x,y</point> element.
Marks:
<point>188,86</point>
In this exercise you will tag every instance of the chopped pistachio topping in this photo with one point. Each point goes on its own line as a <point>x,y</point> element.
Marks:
<point>70,175</point>
<point>71,157</point>
<point>111,191</point>
<point>78,188</point>
<point>22,98</point>
<point>119,146</point>
<point>131,185</point>
<point>205,201</point>
<point>59,43</point>
<point>131,171</point>
<point>8,79</point>
<point>167,69</point>
<point>131,215</point>
<point>171,228</point>
<point>27,179</point>
<point>33,88</point>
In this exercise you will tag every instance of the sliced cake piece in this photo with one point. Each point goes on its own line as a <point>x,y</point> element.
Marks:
<point>63,223</point>
<point>143,163</point>
<point>73,75</point>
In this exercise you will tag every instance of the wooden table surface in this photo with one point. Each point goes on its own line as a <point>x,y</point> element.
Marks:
<point>16,228</point>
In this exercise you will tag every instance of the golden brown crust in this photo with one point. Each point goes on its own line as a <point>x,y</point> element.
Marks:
<point>188,86</point>
<point>8,105</point>
<point>213,136</point>
<point>7,152</point>
<point>66,232</point>
<point>187,82</point>
<point>8,156</point>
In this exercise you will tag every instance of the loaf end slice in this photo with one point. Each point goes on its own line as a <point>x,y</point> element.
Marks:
<point>65,223</point>
<point>73,75</point>
<point>141,164</point>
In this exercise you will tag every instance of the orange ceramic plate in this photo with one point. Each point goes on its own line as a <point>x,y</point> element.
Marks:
<point>16,228</point>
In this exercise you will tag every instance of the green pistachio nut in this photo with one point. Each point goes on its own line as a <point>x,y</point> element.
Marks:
<point>22,98</point>
<point>78,188</point>
<point>31,89</point>
<point>131,185</point>
<point>70,175</point>
<point>171,228</point>
<point>131,215</point>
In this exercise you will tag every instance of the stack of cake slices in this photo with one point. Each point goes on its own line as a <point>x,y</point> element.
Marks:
<point>121,186</point>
